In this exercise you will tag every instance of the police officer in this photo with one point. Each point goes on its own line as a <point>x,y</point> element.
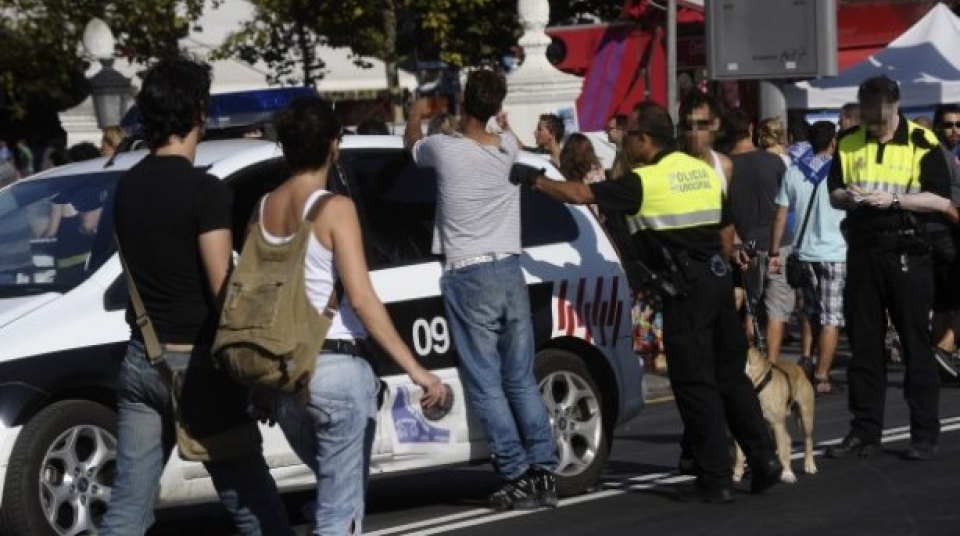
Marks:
<point>888,178</point>
<point>681,226</point>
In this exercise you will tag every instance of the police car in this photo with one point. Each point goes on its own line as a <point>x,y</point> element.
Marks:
<point>64,334</point>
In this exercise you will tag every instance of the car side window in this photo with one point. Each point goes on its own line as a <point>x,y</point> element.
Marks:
<point>397,203</point>
<point>544,221</point>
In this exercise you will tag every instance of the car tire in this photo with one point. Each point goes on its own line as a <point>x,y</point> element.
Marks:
<point>575,405</point>
<point>61,471</point>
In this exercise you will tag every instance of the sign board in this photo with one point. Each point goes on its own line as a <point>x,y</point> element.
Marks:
<point>771,39</point>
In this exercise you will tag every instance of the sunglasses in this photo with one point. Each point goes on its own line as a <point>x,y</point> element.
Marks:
<point>948,125</point>
<point>697,124</point>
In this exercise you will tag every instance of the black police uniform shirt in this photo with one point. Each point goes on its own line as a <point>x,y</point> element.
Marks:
<point>865,221</point>
<point>162,205</point>
<point>624,195</point>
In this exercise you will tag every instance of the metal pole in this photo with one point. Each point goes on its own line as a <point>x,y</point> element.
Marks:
<point>672,57</point>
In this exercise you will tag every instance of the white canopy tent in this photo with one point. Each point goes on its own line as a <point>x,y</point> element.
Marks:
<point>924,60</point>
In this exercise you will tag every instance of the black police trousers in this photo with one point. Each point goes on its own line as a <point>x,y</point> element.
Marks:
<point>881,281</point>
<point>706,349</point>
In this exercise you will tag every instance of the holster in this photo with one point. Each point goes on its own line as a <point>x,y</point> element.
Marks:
<point>681,270</point>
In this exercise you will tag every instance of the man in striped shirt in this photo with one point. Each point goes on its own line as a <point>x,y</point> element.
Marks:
<point>477,230</point>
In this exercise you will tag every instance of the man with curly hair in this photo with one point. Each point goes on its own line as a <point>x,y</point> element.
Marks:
<point>173,226</point>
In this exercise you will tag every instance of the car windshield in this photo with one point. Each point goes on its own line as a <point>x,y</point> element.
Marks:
<point>54,232</point>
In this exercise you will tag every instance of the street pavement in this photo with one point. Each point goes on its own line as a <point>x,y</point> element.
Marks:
<point>883,496</point>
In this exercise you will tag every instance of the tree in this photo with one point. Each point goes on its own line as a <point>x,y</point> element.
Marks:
<point>42,67</point>
<point>281,35</point>
<point>284,33</point>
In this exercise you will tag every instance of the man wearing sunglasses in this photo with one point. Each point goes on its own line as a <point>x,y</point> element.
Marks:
<point>681,227</point>
<point>946,278</point>
<point>891,178</point>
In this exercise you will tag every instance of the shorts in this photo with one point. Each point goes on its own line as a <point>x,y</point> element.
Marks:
<point>823,292</point>
<point>779,298</point>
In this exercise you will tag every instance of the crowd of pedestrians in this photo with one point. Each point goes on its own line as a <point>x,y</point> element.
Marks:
<point>866,204</point>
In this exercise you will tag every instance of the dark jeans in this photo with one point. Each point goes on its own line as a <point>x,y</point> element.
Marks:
<point>706,350</point>
<point>876,284</point>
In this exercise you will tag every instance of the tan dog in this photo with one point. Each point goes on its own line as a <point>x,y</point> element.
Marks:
<point>780,388</point>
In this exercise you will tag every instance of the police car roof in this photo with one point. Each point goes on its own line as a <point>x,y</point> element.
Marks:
<point>224,157</point>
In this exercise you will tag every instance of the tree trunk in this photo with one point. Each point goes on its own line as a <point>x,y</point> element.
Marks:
<point>306,54</point>
<point>390,59</point>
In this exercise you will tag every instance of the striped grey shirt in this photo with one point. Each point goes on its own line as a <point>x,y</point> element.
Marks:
<point>478,209</point>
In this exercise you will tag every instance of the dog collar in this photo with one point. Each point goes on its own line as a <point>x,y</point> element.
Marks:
<point>764,381</point>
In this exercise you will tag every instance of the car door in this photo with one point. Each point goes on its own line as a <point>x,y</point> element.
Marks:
<point>396,204</point>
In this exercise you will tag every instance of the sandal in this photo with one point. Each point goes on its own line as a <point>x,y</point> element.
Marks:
<point>824,386</point>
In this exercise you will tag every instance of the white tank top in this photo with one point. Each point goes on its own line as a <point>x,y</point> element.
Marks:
<point>320,274</point>
<point>718,167</point>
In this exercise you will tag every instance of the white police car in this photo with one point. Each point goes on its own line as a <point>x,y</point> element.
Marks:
<point>62,300</point>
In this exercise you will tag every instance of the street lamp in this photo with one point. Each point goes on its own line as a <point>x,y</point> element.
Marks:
<point>110,89</point>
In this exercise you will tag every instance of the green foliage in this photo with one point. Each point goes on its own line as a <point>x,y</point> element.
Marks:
<point>281,35</point>
<point>42,63</point>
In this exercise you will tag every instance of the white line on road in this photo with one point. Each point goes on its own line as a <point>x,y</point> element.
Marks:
<point>429,522</point>
<point>475,517</point>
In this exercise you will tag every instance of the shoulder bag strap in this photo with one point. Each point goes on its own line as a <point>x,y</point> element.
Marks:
<point>150,340</point>
<point>806,217</point>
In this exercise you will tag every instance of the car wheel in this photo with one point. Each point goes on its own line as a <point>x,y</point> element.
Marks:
<point>575,406</point>
<point>61,471</point>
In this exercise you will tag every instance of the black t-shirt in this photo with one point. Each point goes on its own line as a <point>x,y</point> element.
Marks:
<point>623,196</point>
<point>753,190</point>
<point>162,205</point>
<point>863,221</point>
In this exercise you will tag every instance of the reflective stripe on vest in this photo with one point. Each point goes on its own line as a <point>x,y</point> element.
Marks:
<point>899,170</point>
<point>679,191</point>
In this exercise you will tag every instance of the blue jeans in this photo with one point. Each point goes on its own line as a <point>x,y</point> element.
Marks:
<point>333,435</point>
<point>488,308</point>
<point>145,439</point>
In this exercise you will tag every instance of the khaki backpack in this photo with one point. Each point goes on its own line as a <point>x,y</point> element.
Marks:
<point>269,333</point>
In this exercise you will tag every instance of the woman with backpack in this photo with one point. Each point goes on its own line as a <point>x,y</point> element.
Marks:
<point>333,433</point>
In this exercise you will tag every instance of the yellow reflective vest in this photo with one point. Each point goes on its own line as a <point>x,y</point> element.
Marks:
<point>899,172</point>
<point>679,192</point>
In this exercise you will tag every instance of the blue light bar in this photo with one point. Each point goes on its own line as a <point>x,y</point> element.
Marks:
<point>237,109</point>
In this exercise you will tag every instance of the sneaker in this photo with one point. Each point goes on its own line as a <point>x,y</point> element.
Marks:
<point>947,365</point>
<point>519,494</point>
<point>545,483</point>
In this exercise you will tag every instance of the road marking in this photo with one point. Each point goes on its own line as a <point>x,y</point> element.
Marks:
<point>429,522</point>
<point>620,486</point>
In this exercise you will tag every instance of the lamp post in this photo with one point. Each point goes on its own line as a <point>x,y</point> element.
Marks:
<point>110,89</point>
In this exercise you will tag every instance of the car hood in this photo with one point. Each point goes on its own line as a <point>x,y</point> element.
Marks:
<point>14,308</point>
